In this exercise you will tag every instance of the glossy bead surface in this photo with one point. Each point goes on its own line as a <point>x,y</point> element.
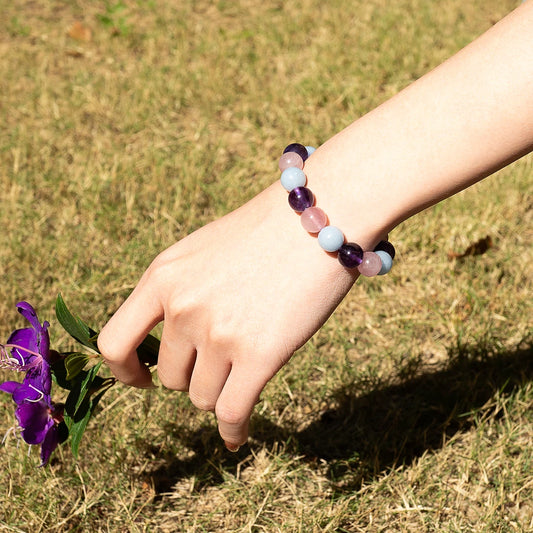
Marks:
<point>386,246</point>
<point>301,198</point>
<point>310,150</point>
<point>350,255</point>
<point>386,262</point>
<point>293,177</point>
<point>330,238</point>
<point>298,149</point>
<point>313,219</point>
<point>371,264</point>
<point>290,159</point>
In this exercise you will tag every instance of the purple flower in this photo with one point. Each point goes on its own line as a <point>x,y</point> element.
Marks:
<point>28,350</point>
<point>37,418</point>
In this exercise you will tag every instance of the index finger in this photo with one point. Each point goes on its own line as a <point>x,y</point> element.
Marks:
<point>125,331</point>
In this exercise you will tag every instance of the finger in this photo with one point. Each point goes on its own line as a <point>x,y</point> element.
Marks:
<point>236,403</point>
<point>177,357</point>
<point>126,329</point>
<point>210,373</point>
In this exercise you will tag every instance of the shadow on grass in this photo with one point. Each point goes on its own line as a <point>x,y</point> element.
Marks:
<point>394,424</point>
<point>368,432</point>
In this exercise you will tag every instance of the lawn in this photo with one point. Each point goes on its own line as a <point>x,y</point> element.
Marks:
<point>129,124</point>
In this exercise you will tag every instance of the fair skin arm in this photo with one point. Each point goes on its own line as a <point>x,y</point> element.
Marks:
<point>241,294</point>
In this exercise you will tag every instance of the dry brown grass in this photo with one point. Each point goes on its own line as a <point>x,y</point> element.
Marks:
<point>411,410</point>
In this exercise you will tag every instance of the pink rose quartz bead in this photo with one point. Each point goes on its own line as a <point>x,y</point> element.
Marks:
<point>371,265</point>
<point>313,219</point>
<point>290,159</point>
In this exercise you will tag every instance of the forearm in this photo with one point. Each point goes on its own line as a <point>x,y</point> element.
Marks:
<point>454,126</point>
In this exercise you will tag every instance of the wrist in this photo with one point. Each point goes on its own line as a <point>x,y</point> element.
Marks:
<point>351,255</point>
<point>352,203</point>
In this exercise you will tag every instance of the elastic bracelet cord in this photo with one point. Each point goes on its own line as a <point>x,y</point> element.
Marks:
<point>315,221</point>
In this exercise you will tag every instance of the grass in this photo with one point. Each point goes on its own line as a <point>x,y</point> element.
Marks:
<point>411,410</point>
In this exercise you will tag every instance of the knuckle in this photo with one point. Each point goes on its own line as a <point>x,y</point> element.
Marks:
<point>204,404</point>
<point>230,415</point>
<point>159,269</point>
<point>165,380</point>
<point>160,277</point>
<point>222,337</point>
<point>168,381</point>
<point>128,380</point>
<point>108,347</point>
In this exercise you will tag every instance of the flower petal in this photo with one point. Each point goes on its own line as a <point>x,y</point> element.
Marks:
<point>26,338</point>
<point>26,393</point>
<point>50,442</point>
<point>9,386</point>
<point>40,378</point>
<point>44,341</point>
<point>35,420</point>
<point>41,331</point>
<point>28,312</point>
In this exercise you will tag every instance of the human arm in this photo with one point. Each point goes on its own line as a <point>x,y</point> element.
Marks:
<point>242,294</point>
<point>459,123</point>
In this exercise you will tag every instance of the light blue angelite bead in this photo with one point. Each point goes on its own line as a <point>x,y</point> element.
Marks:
<point>386,262</point>
<point>310,150</point>
<point>293,177</point>
<point>330,238</point>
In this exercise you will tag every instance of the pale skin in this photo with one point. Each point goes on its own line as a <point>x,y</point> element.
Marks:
<point>239,296</point>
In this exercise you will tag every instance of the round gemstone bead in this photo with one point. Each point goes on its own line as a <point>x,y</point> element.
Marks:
<point>290,159</point>
<point>298,148</point>
<point>313,219</point>
<point>301,198</point>
<point>293,177</point>
<point>350,255</point>
<point>371,264</point>
<point>310,150</point>
<point>386,262</point>
<point>386,246</point>
<point>330,238</point>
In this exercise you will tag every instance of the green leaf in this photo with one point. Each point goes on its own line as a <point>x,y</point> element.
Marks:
<point>148,351</point>
<point>59,374</point>
<point>79,406</point>
<point>77,428</point>
<point>74,326</point>
<point>74,364</point>
<point>82,389</point>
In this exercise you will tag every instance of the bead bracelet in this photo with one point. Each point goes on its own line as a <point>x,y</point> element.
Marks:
<point>314,220</point>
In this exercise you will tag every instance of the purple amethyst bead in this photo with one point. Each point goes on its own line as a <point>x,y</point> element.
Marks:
<point>300,149</point>
<point>386,246</point>
<point>350,255</point>
<point>301,198</point>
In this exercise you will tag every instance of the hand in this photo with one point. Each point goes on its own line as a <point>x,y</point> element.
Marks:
<point>237,297</point>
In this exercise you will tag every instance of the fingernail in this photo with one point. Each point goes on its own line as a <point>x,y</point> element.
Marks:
<point>232,447</point>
